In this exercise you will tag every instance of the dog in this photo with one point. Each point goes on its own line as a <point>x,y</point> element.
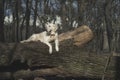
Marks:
<point>46,36</point>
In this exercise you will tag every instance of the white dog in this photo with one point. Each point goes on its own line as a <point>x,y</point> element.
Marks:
<point>46,36</point>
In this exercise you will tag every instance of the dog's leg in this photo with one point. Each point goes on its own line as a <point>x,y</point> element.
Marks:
<point>50,47</point>
<point>25,41</point>
<point>29,39</point>
<point>57,44</point>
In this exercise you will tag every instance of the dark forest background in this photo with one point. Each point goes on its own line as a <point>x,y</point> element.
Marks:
<point>18,19</point>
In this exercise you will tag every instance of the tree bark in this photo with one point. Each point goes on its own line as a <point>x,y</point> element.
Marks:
<point>35,16</point>
<point>28,4</point>
<point>2,21</point>
<point>17,21</point>
<point>109,23</point>
<point>17,51</point>
<point>71,60</point>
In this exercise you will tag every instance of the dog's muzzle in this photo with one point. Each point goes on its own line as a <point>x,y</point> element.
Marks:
<point>52,35</point>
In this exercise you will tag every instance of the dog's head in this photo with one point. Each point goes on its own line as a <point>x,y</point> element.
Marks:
<point>51,28</point>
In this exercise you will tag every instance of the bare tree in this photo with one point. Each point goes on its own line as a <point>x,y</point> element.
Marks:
<point>35,15</point>
<point>28,8</point>
<point>108,22</point>
<point>2,20</point>
<point>17,19</point>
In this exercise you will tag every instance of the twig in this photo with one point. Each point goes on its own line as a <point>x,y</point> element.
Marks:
<point>106,65</point>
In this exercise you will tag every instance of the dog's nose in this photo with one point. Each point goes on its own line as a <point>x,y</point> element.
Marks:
<point>52,35</point>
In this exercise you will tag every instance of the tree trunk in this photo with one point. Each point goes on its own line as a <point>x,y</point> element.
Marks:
<point>35,15</point>
<point>28,4</point>
<point>71,60</point>
<point>17,20</point>
<point>2,21</point>
<point>109,23</point>
<point>75,38</point>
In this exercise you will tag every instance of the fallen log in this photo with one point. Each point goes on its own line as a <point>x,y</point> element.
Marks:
<point>11,51</point>
<point>24,74</point>
<point>71,59</point>
<point>80,35</point>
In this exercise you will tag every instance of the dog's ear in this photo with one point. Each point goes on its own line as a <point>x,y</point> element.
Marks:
<point>59,28</point>
<point>47,26</point>
<point>56,27</point>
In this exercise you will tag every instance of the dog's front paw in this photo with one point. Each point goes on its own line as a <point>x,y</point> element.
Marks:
<point>21,41</point>
<point>50,51</point>
<point>57,49</point>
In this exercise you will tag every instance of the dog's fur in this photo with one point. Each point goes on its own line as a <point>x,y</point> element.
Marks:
<point>46,37</point>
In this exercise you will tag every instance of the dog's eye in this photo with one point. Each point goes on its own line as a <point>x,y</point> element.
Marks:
<point>50,31</point>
